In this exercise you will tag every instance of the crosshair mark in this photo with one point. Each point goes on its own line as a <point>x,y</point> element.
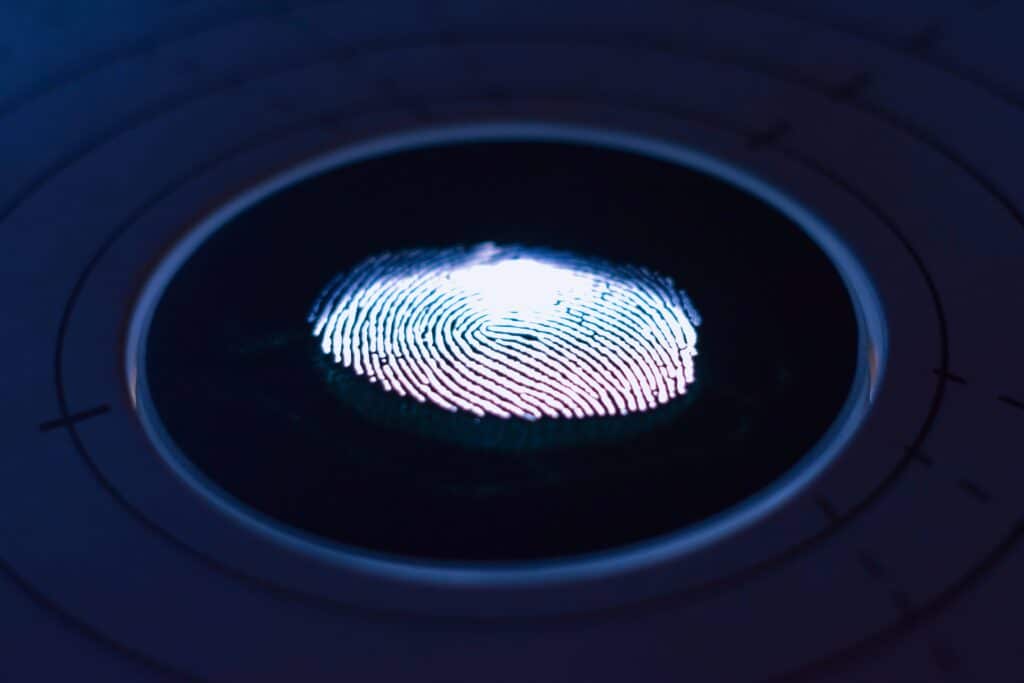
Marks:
<point>947,375</point>
<point>67,420</point>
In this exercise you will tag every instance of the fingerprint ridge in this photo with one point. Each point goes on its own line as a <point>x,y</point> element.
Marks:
<point>510,331</point>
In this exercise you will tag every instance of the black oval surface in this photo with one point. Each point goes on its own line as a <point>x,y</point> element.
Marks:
<point>241,390</point>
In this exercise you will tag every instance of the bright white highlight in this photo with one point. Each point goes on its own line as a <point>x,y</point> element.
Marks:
<point>511,331</point>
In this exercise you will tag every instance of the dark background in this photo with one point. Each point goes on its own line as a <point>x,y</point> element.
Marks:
<point>118,117</point>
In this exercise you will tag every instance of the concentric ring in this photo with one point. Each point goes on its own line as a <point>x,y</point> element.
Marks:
<point>870,360</point>
<point>831,90</point>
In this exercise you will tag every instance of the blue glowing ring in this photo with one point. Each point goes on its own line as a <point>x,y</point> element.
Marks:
<point>872,355</point>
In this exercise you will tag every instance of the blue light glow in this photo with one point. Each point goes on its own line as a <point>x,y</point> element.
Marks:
<point>511,331</point>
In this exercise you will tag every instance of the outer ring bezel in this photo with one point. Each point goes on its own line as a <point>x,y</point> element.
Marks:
<point>872,355</point>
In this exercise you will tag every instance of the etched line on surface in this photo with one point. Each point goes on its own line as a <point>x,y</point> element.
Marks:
<point>920,456</point>
<point>871,566</point>
<point>828,509</point>
<point>974,490</point>
<point>1010,401</point>
<point>50,425</point>
<point>947,375</point>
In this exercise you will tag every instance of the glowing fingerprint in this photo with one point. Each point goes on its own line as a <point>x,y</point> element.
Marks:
<point>511,331</point>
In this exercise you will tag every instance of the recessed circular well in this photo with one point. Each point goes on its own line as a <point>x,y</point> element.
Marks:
<point>237,393</point>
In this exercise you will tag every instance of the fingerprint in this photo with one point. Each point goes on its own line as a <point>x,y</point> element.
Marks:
<point>511,331</point>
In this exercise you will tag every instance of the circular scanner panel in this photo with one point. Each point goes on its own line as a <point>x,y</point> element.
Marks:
<point>252,405</point>
<point>897,558</point>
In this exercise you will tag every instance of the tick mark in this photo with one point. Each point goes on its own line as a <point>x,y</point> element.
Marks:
<point>899,597</point>
<point>975,491</point>
<point>828,509</point>
<point>924,39</point>
<point>872,567</point>
<point>945,374</point>
<point>1012,402</point>
<point>852,87</point>
<point>763,138</point>
<point>920,456</point>
<point>50,425</point>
